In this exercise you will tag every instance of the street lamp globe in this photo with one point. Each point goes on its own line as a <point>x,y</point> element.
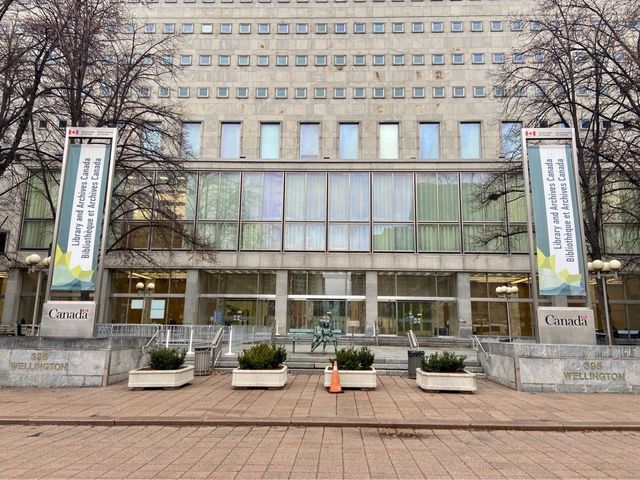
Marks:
<point>46,261</point>
<point>597,265</point>
<point>151,286</point>
<point>139,286</point>
<point>615,265</point>
<point>33,259</point>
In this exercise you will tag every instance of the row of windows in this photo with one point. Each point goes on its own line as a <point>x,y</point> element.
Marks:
<point>349,139</point>
<point>358,60</point>
<point>456,26</point>
<point>321,92</point>
<point>332,211</point>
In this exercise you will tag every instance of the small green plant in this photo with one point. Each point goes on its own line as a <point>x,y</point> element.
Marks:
<point>447,362</point>
<point>354,359</point>
<point>163,358</point>
<point>262,357</point>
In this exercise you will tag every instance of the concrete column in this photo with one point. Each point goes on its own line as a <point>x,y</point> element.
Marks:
<point>191,293</point>
<point>371,301</point>
<point>465,328</point>
<point>282,280</point>
<point>12,297</point>
<point>102,297</point>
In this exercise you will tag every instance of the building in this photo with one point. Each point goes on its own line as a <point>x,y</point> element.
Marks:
<point>340,146</point>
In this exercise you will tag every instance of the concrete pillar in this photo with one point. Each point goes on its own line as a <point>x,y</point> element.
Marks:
<point>282,280</point>
<point>465,322</point>
<point>103,297</point>
<point>371,302</point>
<point>191,294</point>
<point>12,297</point>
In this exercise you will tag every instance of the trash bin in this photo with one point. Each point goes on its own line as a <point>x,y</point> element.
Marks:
<point>201,361</point>
<point>414,361</point>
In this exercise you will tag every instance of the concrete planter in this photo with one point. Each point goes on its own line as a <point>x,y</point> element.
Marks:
<point>259,378</point>
<point>148,378</point>
<point>456,382</point>
<point>353,378</point>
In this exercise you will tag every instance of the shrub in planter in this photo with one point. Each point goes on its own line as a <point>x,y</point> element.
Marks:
<point>351,358</point>
<point>447,362</point>
<point>262,357</point>
<point>162,358</point>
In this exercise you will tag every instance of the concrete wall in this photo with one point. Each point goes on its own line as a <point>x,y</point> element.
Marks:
<point>68,362</point>
<point>562,368</point>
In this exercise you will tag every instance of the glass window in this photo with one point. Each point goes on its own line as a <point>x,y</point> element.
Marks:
<point>398,59</point>
<point>321,28</point>
<point>244,28</point>
<point>470,140</point>
<point>438,92</point>
<point>282,60</point>
<point>388,147</point>
<point>397,27</point>
<point>340,60</point>
<point>429,141</point>
<point>206,28</point>
<point>457,58</point>
<point>417,27</point>
<point>477,58</point>
<point>301,60</point>
<point>378,59</point>
<point>476,26</point>
<point>457,26</point>
<point>309,140</point>
<point>349,212</point>
<point>302,28</point>
<point>359,60</point>
<point>359,27</point>
<point>496,26</point>
<point>437,59</point>
<point>378,28</point>
<point>418,92</point>
<point>225,28</point>
<point>349,141</point>
<point>417,59</point>
<point>340,28</point>
<point>262,210</point>
<point>230,140</point>
<point>511,142</point>
<point>269,141</point>
<point>300,92</point>
<point>218,207</point>
<point>305,205</point>
<point>282,28</point>
<point>437,27</point>
<point>244,60</point>
<point>263,60</point>
<point>393,202</point>
<point>205,59</point>
<point>151,137</point>
<point>264,28</point>
<point>320,60</point>
<point>191,133</point>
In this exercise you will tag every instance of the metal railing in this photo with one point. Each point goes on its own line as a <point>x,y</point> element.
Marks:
<point>127,329</point>
<point>477,345</point>
<point>247,335</point>
<point>413,341</point>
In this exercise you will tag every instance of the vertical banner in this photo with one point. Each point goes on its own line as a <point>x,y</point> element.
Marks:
<point>556,217</point>
<point>83,192</point>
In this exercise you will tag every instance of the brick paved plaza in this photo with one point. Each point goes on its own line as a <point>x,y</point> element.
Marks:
<point>209,430</point>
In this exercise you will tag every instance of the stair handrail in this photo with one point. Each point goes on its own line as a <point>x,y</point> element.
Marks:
<point>413,341</point>
<point>475,340</point>
<point>152,339</point>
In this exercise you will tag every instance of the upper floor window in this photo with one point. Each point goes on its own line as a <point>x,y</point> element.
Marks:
<point>349,141</point>
<point>470,140</point>
<point>429,141</point>
<point>191,134</point>
<point>309,140</point>
<point>388,141</point>
<point>230,140</point>
<point>269,141</point>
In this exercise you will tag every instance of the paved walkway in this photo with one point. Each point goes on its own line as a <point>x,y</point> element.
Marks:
<point>396,403</point>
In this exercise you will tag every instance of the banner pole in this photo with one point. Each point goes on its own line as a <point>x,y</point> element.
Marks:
<point>533,266</point>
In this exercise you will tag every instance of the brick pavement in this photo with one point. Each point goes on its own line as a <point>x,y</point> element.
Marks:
<point>397,402</point>
<point>159,452</point>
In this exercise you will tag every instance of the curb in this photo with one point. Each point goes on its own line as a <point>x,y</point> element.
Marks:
<point>539,426</point>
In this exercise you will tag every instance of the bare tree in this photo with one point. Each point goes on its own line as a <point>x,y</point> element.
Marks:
<point>99,69</point>
<point>576,64</point>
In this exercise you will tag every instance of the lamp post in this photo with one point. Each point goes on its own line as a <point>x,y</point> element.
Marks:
<point>507,292</point>
<point>145,290</point>
<point>602,270</point>
<point>37,264</point>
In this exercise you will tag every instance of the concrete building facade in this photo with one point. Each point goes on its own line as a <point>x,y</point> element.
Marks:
<point>338,150</point>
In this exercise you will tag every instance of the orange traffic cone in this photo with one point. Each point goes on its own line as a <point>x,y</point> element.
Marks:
<point>335,380</point>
